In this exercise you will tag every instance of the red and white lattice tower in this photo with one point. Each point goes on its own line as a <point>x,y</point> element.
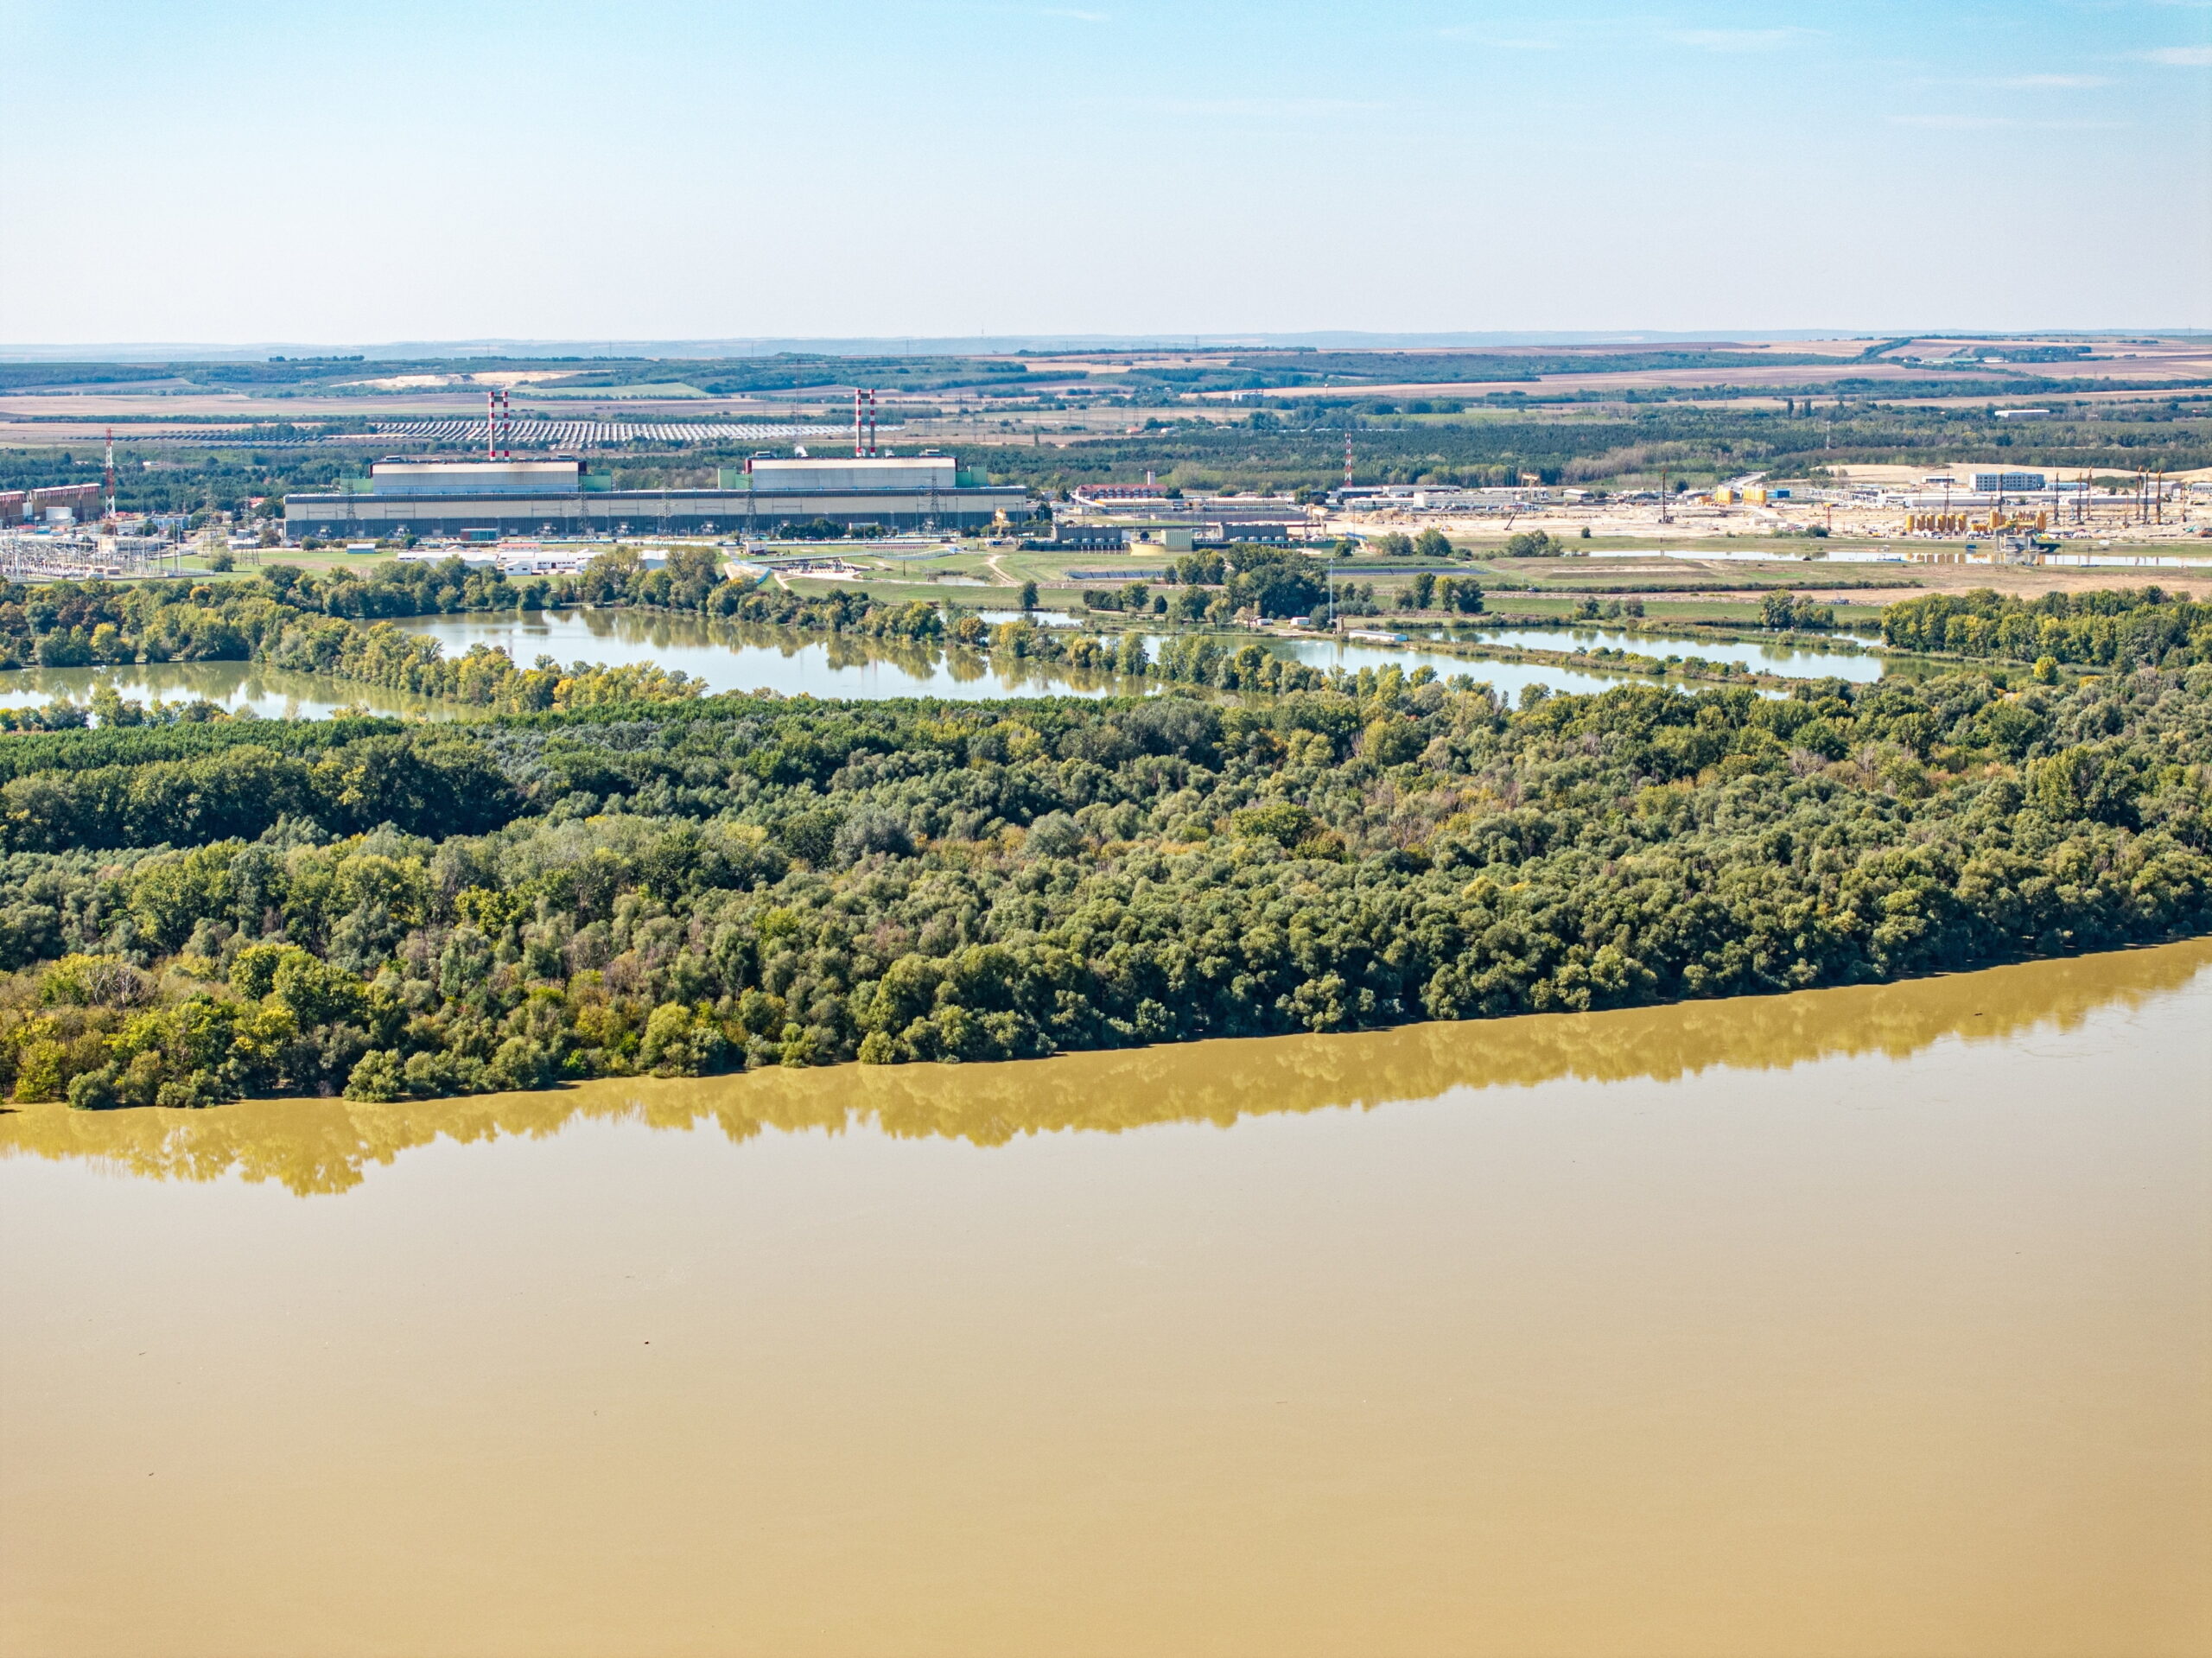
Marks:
<point>108,488</point>
<point>1347,459</point>
<point>498,424</point>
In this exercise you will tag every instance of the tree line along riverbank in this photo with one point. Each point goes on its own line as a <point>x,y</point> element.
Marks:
<point>326,623</point>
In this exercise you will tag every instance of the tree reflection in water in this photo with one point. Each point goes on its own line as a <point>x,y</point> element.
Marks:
<point>325,1145</point>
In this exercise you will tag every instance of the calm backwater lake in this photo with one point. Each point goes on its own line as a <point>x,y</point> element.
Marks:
<point>745,659</point>
<point>1799,662</point>
<point>271,693</point>
<point>732,658</point>
<point>1863,1322</point>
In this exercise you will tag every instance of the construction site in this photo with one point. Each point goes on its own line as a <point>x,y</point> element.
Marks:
<point>1915,514</point>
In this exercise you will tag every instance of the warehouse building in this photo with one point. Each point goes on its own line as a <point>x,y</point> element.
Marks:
<point>560,498</point>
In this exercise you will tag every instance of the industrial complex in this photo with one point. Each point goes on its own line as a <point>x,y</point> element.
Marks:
<point>502,496</point>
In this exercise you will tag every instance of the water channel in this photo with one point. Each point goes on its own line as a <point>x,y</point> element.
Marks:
<point>750,659</point>
<point>1799,662</point>
<point>271,693</point>
<point>735,658</point>
<point>1862,1322</point>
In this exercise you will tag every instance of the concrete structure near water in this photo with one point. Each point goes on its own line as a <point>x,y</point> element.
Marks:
<point>560,498</point>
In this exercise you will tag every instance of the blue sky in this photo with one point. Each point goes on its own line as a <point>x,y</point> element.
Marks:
<point>308,171</point>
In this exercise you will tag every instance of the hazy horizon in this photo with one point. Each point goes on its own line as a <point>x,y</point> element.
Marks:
<point>923,345</point>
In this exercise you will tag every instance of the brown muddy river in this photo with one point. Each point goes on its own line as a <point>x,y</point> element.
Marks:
<point>1863,1322</point>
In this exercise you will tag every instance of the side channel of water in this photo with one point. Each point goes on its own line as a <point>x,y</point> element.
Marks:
<point>272,692</point>
<point>748,659</point>
<point>732,656</point>
<point>1796,661</point>
<point>736,658</point>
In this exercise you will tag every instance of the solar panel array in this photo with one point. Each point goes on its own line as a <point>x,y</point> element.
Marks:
<point>584,434</point>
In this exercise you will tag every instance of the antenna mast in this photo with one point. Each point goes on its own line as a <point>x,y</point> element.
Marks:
<point>109,485</point>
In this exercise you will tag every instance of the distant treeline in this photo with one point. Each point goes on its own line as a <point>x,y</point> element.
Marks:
<point>722,375</point>
<point>1304,448</point>
<point>1288,447</point>
<point>1433,367</point>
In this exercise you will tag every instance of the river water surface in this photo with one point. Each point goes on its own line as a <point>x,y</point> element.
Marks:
<point>1862,1322</point>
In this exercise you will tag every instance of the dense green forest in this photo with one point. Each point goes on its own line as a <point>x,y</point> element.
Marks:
<point>192,913</point>
<point>2102,630</point>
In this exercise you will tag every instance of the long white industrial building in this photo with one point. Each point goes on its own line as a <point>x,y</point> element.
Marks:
<point>560,498</point>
